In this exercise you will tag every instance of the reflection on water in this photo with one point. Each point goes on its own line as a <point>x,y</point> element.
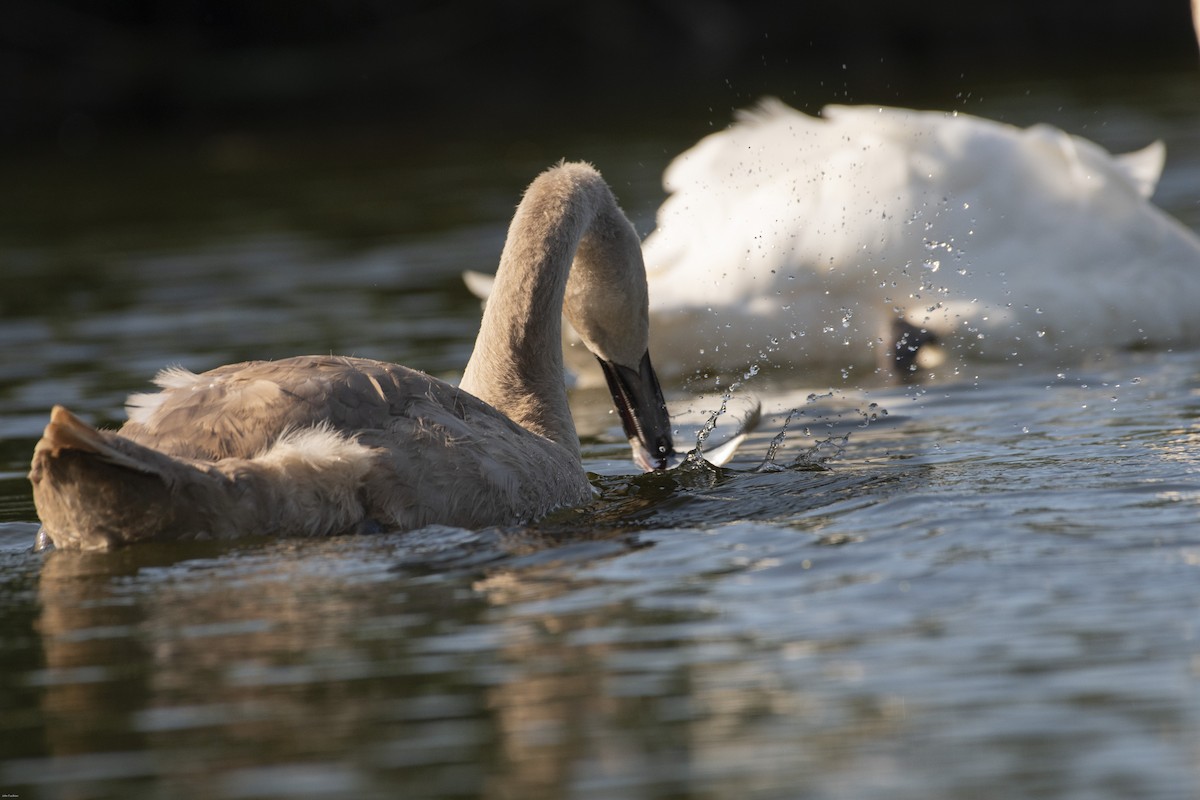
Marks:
<point>990,592</point>
<point>251,661</point>
<point>232,671</point>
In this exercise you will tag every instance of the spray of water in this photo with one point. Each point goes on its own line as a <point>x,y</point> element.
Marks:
<point>711,423</point>
<point>768,463</point>
<point>817,455</point>
<point>813,457</point>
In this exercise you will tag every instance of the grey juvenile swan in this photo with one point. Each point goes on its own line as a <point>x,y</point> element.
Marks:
<point>321,445</point>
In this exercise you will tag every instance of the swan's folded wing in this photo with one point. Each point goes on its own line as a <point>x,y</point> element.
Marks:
<point>239,411</point>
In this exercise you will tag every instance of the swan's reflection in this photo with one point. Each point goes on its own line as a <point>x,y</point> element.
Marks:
<point>524,671</point>
<point>267,657</point>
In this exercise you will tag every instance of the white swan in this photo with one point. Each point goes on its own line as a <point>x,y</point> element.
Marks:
<point>830,239</point>
<point>833,239</point>
<point>323,445</point>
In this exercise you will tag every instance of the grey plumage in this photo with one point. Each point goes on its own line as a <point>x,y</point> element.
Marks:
<point>321,445</point>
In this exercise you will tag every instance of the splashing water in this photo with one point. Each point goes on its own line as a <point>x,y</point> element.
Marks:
<point>711,423</point>
<point>768,463</point>
<point>816,456</point>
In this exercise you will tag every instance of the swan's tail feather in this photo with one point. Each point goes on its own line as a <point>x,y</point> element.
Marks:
<point>94,490</point>
<point>68,432</point>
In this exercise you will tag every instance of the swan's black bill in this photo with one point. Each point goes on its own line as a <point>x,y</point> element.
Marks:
<point>639,400</point>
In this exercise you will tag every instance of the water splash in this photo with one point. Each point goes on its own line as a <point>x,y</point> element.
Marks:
<point>711,423</point>
<point>816,456</point>
<point>777,441</point>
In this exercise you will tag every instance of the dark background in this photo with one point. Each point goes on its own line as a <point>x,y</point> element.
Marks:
<point>76,73</point>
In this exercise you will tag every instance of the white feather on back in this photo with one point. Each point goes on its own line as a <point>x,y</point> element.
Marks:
<point>324,471</point>
<point>142,405</point>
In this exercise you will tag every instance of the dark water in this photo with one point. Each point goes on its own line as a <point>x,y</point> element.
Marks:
<point>992,589</point>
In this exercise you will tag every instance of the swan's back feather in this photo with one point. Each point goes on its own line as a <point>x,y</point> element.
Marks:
<point>424,433</point>
<point>424,426</point>
<point>239,410</point>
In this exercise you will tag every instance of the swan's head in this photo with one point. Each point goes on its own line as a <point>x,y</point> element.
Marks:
<point>607,304</point>
<point>613,324</point>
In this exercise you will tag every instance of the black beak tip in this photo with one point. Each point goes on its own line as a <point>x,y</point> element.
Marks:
<point>644,417</point>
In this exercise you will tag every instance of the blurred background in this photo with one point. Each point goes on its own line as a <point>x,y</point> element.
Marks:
<point>179,126</point>
<point>80,74</point>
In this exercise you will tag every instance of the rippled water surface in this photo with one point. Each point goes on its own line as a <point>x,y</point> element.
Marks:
<point>983,586</point>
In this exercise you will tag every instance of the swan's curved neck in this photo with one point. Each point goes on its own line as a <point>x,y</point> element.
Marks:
<point>567,214</point>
